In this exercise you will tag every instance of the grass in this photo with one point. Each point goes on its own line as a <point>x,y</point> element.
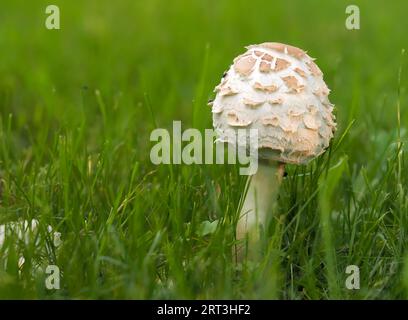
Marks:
<point>77,107</point>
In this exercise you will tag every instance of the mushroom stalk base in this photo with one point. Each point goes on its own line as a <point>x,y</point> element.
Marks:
<point>259,202</point>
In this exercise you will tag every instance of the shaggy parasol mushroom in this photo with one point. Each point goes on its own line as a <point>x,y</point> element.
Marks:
<point>278,90</point>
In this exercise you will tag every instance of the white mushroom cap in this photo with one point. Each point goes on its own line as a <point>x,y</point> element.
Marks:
<point>279,90</point>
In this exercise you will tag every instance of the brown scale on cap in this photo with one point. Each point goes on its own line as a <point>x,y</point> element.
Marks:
<point>330,120</point>
<point>287,125</point>
<point>283,48</point>
<point>281,64</point>
<point>234,121</point>
<point>264,66</point>
<point>293,84</point>
<point>252,103</point>
<point>267,57</point>
<point>227,91</point>
<point>275,101</point>
<point>295,111</point>
<point>271,121</point>
<point>300,72</point>
<point>311,122</point>
<point>321,92</point>
<point>313,68</point>
<point>312,109</point>
<point>244,65</point>
<point>328,105</point>
<point>221,85</point>
<point>267,88</point>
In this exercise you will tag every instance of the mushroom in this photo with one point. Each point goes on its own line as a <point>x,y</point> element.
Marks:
<point>294,126</point>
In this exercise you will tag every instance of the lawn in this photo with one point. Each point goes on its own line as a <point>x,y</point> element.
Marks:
<point>77,106</point>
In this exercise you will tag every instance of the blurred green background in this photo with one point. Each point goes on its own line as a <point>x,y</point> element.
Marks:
<point>77,106</point>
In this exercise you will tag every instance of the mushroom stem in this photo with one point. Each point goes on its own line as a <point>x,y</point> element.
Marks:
<point>259,201</point>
